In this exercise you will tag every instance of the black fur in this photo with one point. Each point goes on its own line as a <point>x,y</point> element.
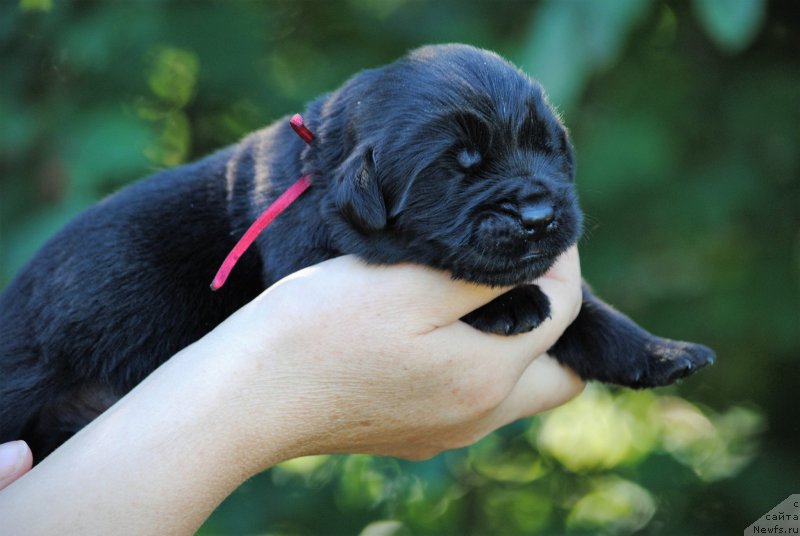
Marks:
<point>449,157</point>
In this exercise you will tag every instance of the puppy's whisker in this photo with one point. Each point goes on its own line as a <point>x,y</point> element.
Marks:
<point>590,225</point>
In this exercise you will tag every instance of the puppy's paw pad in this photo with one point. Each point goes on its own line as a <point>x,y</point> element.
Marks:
<point>500,324</point>
<point>519,310</point>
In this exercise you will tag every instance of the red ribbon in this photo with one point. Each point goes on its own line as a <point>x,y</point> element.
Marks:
<point>273,210</point>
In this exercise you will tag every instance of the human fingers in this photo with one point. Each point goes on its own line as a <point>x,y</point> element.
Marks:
<point>545,384</point>
<point>438,292</point>
<point>566,270</point>
<point>15,460</point>
<point>513,354</point>
<point>435,295</point>
<point>416,291</point>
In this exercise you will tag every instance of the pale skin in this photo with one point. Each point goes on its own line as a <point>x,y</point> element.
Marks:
<point>337,358</point>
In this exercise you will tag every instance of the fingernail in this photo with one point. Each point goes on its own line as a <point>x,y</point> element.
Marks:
<point>11,457</point>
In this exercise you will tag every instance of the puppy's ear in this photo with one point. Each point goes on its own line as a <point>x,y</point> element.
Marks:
<point>358,195</point>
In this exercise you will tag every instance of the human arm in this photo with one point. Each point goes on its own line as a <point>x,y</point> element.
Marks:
<point>336,358</point>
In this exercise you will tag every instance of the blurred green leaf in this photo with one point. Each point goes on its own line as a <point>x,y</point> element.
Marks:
<point>304,465</point>
<point>36,5</point>
<point>714,447</point>
<point>496,460</point>
<point>594,433</point>
<point>516,511</point>
<point>571,40</point>
<point>614,506</point>
<point>731,24</point>
<point>172,74</point>
<point>385,528</point>
<point>174,141</point>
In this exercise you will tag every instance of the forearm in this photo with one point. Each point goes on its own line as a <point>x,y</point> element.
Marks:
<point>158,462</point>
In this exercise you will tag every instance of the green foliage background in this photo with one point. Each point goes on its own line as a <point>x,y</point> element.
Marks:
<point>686,121</point>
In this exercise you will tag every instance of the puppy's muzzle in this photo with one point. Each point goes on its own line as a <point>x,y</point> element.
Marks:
<point>515,227</point>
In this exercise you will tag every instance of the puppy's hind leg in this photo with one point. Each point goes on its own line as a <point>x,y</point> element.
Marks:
<point>603,344</point>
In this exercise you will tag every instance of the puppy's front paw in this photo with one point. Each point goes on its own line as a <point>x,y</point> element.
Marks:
<point>669,361</point>
<point>517,311</point>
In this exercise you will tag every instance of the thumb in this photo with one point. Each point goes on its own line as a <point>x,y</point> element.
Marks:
<point>15,460</point>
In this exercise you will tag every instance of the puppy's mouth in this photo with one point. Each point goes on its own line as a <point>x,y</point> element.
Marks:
<point>503,270</point>
<point>514,245</point>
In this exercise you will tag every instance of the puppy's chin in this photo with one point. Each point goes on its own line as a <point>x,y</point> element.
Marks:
<point>500,252</point>
<point>502,271</point>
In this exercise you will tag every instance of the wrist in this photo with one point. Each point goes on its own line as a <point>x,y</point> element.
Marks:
<point>255,401</point>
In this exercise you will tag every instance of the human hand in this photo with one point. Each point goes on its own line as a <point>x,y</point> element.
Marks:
<point>343,357</point>
<point>15,461</point>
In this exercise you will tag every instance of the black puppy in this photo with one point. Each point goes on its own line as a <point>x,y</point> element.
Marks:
<point>449,157</point>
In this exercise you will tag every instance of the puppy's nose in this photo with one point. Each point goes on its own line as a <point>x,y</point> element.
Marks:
<point>537,216</point>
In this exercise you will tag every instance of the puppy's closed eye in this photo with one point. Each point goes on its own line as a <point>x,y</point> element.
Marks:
<point>468,158</point>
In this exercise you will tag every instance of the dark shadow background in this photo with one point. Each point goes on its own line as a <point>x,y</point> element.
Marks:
<point>686,121</point>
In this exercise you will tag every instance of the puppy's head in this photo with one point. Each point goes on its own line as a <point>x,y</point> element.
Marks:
<point>449,157</point>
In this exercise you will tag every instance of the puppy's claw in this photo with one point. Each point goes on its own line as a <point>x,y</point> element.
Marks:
<point>671,361</point>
